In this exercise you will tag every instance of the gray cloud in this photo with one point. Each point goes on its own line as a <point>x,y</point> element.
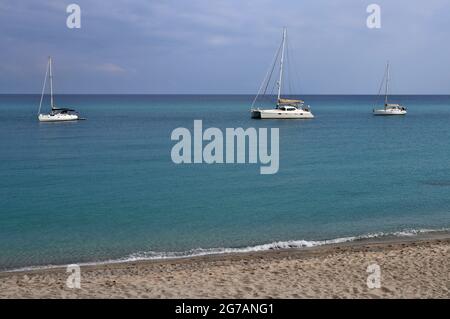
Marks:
<point>218,46</point>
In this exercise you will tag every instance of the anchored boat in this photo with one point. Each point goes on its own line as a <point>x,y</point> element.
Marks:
<point>285,108</point>
<point>57,114</point>
<point>389,108</point>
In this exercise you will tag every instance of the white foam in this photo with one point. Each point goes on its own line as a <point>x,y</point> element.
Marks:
<point>197,252</point>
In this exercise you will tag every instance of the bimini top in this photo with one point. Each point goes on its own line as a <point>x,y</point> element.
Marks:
<point>289,102</point>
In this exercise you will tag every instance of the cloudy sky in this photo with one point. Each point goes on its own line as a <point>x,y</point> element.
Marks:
<point>223,46</point>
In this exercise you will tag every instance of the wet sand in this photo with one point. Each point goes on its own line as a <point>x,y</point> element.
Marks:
<point>410,267</point>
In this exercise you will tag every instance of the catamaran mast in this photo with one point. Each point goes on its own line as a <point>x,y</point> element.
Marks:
<point>51,80</point>
<point>387,85</point>
<point>281,64</point>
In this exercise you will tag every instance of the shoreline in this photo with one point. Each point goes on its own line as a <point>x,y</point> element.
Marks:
<point>327,271</point>
<point>421,234</point>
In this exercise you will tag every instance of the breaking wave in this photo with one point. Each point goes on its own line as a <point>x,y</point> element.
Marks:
<point>289,244</point>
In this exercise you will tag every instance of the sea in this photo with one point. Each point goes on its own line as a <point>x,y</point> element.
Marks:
<point>106,189</point>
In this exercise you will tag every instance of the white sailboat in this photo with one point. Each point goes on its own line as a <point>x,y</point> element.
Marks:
<point>285,108</point>
<point>389,108</point>
<point>57,114</point>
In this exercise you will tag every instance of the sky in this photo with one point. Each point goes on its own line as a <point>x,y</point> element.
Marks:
<point>223,46</point>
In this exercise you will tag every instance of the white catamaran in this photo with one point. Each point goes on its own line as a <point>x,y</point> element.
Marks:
<point>56,114</point>
<point>389,108</point>
<point>285,108</point>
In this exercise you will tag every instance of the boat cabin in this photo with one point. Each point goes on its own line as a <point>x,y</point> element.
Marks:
<point>394,106</point>
<point>287,108</point>
<point>62,111</point>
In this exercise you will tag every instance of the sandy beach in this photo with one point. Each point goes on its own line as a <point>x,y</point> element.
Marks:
<point>412,267</point>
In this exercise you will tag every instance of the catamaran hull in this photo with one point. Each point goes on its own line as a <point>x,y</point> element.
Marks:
<point>277,114</point>
<point>57,117</point>
<point>383,112</point>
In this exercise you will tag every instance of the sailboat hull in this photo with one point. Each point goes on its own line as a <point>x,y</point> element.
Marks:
<point>57,117</point>
<point>279,114</point>
<point>389,112</point>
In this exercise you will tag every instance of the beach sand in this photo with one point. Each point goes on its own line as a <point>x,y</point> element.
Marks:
<point>416,267</point>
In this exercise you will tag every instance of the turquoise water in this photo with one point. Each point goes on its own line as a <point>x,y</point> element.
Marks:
<point>106,188</point>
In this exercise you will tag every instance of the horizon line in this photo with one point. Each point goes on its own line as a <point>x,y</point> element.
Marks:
<point>215,94</point>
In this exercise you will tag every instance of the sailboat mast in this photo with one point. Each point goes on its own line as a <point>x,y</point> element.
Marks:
<point>387,85</point>
<point>43,88</point>
<point>281,64</point>
<point>51,81</point>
